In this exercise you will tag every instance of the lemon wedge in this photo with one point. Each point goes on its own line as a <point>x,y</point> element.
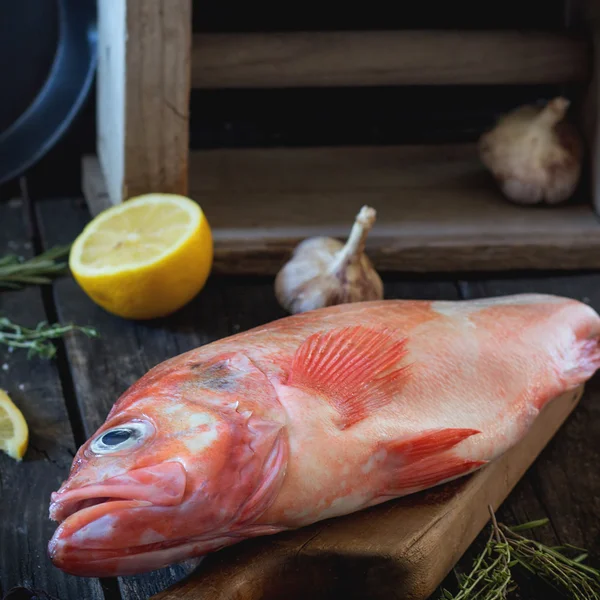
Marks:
<point>144,258</point>
<point>14,434</point>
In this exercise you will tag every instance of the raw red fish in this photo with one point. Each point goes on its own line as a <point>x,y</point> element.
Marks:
<point>313,416</point>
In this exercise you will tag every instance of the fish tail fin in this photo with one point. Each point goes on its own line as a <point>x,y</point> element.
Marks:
<point>582,362</point>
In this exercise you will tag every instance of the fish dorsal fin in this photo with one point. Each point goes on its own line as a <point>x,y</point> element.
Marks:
<point>356,369</point>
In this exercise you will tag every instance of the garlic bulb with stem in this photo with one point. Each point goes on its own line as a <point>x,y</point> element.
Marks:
<point>324,271</point>
<point>534,154</point>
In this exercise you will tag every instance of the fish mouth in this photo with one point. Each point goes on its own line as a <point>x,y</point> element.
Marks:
<point>159,485</point>
<point>91,562</point>
<point>100,523</point>
<point>61,511</point>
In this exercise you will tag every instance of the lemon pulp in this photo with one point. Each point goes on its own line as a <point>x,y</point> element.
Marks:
<point>144,258</point>
<point>14,433</point>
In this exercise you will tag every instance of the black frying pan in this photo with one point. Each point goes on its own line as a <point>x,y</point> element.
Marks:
<point>47,64</point>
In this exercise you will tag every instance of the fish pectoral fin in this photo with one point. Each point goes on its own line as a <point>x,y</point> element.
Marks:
<point>356,369</point>
<point>428,460</point>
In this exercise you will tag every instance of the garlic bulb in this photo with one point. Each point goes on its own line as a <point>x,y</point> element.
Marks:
<point>534,154</point>
<point>323,271</point>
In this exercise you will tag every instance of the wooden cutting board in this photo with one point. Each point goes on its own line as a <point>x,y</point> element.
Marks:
<point>401,549</point>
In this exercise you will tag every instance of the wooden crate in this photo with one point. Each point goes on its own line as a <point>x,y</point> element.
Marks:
<point>438,210</point>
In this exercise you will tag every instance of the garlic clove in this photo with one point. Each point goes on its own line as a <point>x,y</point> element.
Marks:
<point>323,271</point>
<point>534,154</point>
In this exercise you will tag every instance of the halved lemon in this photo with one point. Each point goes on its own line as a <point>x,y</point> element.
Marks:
<point>14,433</point>
<point>144,258</point>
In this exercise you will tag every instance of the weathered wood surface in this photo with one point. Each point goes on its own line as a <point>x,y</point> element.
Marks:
<point>562,484</point>
<point>361,58</point>
<point>590,123</point>
<point>143,95</point>
<point>25,488</point>
<point>93,185</point>
<point>437,210</point>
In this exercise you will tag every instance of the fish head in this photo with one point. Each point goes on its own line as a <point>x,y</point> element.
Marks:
<point>184,464</point>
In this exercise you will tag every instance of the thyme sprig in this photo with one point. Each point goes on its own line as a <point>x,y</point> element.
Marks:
<point>16,272</point>
<point>553,565</point>
<point>37,341</point>
<point>490,578</point>
<point>491,575</point>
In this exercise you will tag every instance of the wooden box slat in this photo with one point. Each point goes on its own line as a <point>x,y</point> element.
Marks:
<point>438,210</point>
<point>367,58</point>
<point>143,95</point>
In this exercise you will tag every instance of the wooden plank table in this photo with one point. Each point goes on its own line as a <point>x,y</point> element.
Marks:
<point>66,399</point>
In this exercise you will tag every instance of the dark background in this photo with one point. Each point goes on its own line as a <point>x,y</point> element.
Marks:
<point>301,117</point>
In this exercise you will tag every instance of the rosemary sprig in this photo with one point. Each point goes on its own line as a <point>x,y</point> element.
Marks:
<point>491,575</point>
<point>37,341</point>
<point>16,272</point>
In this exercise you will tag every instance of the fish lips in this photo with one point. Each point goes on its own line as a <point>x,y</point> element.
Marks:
<point>160,485</point>
<point>91,562</point>
<point>91,518</point>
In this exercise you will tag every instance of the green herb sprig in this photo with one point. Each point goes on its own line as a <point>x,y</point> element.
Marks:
<point>553,565</point>
<point>16,272</point>
<point>37,341</point>
<point>491,575</point>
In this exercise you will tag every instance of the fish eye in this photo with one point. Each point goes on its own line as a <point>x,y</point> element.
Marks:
<point>123,437</point>
<point>116,437</point>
